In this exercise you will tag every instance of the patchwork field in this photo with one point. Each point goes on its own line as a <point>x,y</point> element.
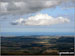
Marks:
<point>36,45</point>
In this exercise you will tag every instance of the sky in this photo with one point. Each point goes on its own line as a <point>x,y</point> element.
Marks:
<point>37,16</point>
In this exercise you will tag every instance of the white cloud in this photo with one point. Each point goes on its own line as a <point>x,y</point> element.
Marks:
<point>20,4</point>
<point>3,6</point>
<point>41,19</point>
<point>28,6</point>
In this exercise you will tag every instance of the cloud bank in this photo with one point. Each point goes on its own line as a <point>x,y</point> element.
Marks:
<point>41,19</point>
<point>27,6</point>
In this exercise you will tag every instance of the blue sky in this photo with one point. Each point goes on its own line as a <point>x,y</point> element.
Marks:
<point>54,12</point>
<point>6,27</point>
